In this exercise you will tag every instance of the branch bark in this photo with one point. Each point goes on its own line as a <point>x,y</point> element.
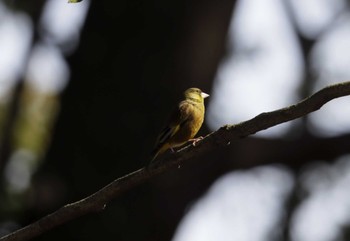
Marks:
<point>222,137</point>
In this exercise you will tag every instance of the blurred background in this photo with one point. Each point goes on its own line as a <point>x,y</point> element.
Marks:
<point>85,88</point>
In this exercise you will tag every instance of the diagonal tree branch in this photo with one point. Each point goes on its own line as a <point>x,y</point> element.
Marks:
<point>222,137</point>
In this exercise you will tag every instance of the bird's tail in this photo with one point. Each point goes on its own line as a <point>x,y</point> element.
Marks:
<point>154,155</point>
<point>156,152</point>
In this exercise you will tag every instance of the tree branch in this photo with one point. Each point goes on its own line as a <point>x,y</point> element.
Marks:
<point>222,137</point>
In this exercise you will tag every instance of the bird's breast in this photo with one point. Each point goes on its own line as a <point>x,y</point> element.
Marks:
<point>191,126</point>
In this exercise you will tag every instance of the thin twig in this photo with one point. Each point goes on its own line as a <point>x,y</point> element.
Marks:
<point>221,137</point>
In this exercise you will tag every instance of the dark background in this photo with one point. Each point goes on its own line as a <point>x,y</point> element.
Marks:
<point>134,60</point>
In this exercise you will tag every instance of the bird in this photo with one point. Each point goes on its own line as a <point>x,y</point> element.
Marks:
<point>184,123</point>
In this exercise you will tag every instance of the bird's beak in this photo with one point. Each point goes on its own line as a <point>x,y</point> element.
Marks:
<point>204,95</point>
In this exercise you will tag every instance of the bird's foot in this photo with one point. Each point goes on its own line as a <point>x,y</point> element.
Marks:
<point>195,140</point>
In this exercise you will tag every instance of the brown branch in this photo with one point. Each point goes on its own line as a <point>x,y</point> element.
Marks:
<point>221,137</point>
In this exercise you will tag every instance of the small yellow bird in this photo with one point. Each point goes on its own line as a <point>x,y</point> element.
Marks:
<point>185,122</point>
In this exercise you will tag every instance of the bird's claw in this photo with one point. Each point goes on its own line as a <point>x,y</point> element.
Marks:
<point>195,140</point>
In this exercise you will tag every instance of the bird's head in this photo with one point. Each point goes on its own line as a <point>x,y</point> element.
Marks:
<point>195,94</point>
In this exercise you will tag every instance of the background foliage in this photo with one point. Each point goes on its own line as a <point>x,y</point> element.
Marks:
<point>122,70</point>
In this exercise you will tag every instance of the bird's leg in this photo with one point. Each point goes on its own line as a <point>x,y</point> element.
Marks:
<point>195,140</point>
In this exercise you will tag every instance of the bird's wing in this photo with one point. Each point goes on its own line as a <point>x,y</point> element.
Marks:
<point>167,133</point>
<point>178,119</point>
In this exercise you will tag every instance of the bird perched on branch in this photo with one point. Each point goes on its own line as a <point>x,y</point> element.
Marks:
<point>184,123</point>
